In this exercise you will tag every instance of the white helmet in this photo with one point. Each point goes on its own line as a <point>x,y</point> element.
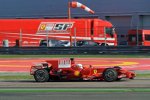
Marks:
<point>80,66</point>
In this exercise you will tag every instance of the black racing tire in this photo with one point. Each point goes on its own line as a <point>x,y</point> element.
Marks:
<point>110,75</point>
<point>117,67</point>
<point>41,75</point>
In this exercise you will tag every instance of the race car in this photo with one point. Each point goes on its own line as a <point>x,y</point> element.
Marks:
<point>67,69</point>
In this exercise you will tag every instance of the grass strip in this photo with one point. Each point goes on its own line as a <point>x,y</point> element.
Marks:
<point>16,77</point>
<point>77,90</point>
<point>147,75</point>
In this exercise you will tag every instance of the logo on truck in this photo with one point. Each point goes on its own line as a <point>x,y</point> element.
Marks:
<point>55,27</point>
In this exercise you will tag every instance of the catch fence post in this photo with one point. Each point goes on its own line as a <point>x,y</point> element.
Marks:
<point>105,35</point>
<point>137,35</point>
<point>75,37</point>
<point>47,41</point>
<point>20,42</point>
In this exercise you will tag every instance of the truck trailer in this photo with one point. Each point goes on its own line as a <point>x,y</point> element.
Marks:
<point>29,32</point>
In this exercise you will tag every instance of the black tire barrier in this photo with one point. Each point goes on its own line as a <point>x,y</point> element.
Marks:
<point>76,50</point>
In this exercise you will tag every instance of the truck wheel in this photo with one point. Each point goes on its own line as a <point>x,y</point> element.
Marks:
<point>41,75</point>
<point>110,75</point>
<point>103,44</point>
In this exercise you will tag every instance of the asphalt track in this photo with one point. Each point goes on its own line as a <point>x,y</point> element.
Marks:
<point>24,64</point>
<point>137,83</point>
<point>75,96</point>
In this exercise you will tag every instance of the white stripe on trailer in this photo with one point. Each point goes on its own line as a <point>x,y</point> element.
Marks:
<point>111,44</point>
<point>98,38</point>
<point>39,36</point>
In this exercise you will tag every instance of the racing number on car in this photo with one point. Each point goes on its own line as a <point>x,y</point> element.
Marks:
<point>95,71</point>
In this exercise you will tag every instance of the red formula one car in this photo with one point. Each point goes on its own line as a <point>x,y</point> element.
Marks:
<point>66,69</point>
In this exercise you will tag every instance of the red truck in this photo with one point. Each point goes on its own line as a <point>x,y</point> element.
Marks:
<point>67,69</point>
<point>29,32</point>
<point>139,37</point>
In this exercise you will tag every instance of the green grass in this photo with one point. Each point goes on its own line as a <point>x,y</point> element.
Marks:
<point>78,90</point>
<point>76,56</point>
<point>143,75</point>
<point>16,77</point>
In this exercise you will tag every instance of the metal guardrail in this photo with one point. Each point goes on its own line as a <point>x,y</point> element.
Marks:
<point>76,50</point>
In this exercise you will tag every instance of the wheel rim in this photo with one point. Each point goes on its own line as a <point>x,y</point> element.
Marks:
<point>110,75</point>
<point>40,75</point>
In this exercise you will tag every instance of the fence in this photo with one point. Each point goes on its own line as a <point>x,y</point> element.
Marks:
<point>77,50</point>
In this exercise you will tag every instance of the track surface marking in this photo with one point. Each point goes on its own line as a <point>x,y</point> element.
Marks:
<point>24,64</point>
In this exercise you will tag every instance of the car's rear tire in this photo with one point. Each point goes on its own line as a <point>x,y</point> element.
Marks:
<point>41,75</point>
<point>110,75</point>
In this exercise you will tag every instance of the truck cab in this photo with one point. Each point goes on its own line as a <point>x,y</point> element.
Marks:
<point>139,37</point>
<point>104,33</point>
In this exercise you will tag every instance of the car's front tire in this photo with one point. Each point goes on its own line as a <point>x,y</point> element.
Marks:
<point>110,75</point>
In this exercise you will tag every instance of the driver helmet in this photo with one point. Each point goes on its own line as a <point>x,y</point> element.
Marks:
<point>80,66</point>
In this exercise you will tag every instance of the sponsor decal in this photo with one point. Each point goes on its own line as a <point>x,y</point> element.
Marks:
<point>77,73</point>
<point>64,63</point>
<point>55,27</point>
<point>95,71</point>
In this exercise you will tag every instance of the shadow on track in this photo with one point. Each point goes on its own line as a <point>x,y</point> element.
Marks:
<point>75,81</point>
